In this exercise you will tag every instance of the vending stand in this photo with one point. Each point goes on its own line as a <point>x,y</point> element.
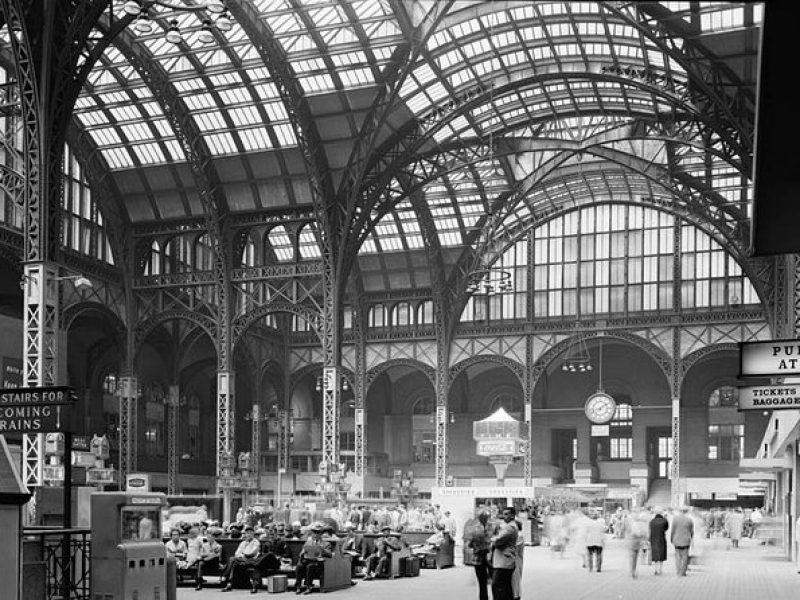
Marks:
<point>128,554</point>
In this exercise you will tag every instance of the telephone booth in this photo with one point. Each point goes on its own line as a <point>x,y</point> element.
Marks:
<point>128,554</point>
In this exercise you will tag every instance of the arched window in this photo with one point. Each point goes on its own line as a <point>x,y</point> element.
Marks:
<point>307,242</point>
<point>621,433</point>
<point>425,313</point>
<point>279,245</point>
<point>423,430</point>
<point>725,425</point>
<point>510,402</point>
<point>401,315</point>
<point>377,316</point>
<point>347,317</point>
<point>153,265</point>
<point>504,306</point>
<point>203,253</point>
<point>154,396</point>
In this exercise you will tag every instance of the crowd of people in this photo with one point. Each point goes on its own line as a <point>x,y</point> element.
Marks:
<point>646,532</point>
<point>265,531</point>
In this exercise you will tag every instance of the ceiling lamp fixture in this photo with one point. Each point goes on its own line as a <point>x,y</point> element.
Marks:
<point>170,9</point>
<point>577,360</point>
<point>174,35</point>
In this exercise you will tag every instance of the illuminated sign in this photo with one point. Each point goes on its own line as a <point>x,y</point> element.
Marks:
<point>762,359</point>
<point>769,397</point>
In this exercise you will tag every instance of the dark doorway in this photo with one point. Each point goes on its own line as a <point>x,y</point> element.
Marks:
<point>565,452</point>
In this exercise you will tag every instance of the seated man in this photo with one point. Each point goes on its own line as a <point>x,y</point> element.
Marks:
<point>245,556</point>
<point>380,560</point>
<point>349,548</point>
<point>309,565</point>
<point>176,548</point>
<point>210,553</point>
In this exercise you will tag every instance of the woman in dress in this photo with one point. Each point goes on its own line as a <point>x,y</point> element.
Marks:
<point>658,540</point>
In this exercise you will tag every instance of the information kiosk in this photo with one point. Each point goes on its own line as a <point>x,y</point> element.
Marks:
<point>128,554</point>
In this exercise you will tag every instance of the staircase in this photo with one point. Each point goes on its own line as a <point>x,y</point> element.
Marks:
<point>660,493</point>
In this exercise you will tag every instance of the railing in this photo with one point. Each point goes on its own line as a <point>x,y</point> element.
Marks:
<point>66,558</point>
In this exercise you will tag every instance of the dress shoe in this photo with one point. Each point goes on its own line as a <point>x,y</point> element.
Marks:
<point>198,587</point>
<point>227,588</point>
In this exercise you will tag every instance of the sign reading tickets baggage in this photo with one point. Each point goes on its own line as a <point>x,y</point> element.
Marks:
<point>769,397</point>
<point>763,359</point>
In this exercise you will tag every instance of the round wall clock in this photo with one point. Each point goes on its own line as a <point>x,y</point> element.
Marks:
<point>600,408</point>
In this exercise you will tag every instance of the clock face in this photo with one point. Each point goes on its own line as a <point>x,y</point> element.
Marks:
<point>600,408</point>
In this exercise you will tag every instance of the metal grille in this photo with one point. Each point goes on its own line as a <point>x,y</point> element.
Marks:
<point>66,554</point>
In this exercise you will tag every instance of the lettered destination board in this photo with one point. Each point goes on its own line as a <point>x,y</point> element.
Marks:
<point>773,358</point>
<point>769,397</point>
<point>35,409</point>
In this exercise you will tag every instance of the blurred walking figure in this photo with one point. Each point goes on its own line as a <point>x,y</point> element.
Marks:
<point>516,577</point>
<point>681,538</point>
<point>658,540</point>
<point>595,537</point>
<point>637,535</point>
<point>504,556</point>
<point>478,537</point>
<point>734,524</point>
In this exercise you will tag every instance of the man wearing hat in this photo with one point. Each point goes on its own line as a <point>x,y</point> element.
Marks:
<point>309,563</point>
<point>210,554</point>
<point>381,557</point>
<point>245,556</point>
<point>681,538</point>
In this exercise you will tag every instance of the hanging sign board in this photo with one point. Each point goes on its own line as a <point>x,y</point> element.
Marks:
<point>37,395</point>
<point>769,397</point>
<point>765,359</point>
<point>31,419</point>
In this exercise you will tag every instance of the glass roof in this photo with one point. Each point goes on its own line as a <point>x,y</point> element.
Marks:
<point>578,101</point>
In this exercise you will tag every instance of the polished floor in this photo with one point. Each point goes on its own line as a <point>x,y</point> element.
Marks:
<point>749,572</point>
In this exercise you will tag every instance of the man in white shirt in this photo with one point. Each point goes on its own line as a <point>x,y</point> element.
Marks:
<point>245,556</point>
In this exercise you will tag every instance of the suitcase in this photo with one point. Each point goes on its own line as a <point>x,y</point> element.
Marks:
<point>410,566</point>
<point>277,583</point>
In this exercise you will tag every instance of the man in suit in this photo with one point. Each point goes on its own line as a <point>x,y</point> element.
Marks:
<point>504,556</point>
<point>681,537</point>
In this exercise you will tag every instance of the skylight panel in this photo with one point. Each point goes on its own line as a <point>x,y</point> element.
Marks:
<point>125,113</point>
<point>175,149</point>
<point>317,83</point>
<point>149,153</point>
<point>93,118</point>
<point>234,96</point>
<point>357,77</point>
<point>284,23</point>
<point>255,139</point>
<point>339,37</point>
<point>298,43</point>
<point>368,247</point>
<point>326,16</point>
<point>137,132</point>
<point>106,136</point>
<point>276,111</point>
<point>221,143</point>
<point>266,91</point>
<point>210,121</point>
<point>285,135</point>
<point>117,158</point>
<point>450,238</point>
<point>200,101</point>
<point>245,115</point>
<point>151,109</point>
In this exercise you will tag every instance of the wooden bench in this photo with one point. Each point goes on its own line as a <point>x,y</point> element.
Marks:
<point>335,570</point>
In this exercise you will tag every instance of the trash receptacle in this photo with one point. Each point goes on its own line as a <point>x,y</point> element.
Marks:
<point>172,578</point>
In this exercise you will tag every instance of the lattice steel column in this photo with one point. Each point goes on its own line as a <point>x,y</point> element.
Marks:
<point>359,393</point>
<point>225,432</point>
<point>128,430</point>
<point>442,387</point>
<point>255,443</point>
<point>173,408</point>
<point>284,453</point>
<point>676,382</point>
<point>527,459</point>
<point>331,394</point>
<point>40,288</point>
